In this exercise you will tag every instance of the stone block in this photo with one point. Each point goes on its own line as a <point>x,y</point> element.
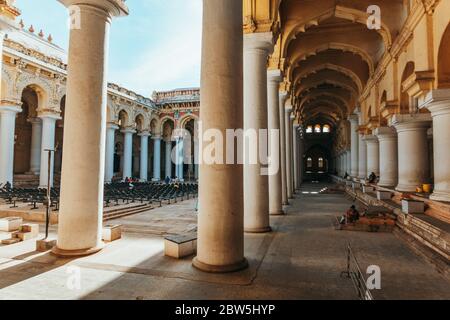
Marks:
<point>112,232</point>
<point>10,241</point>
<point>180,246</point>
<point>384,195</point>
<point>367,188</point>
<point>45,245</point>
<point>10,224</point>
<point>28,231</point>
<point>413,206</point>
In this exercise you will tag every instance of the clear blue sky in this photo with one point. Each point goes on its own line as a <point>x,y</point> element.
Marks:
<point>157,47</point>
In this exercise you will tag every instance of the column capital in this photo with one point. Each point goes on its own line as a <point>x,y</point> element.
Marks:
<point>384,133</point>
<point>115,8</point>
<point>11,108</point>
<point>354,118</point>
<point>49,115</point>
<point>35,120</point>
<point>437,102</point>
<point>259,41</point>
<point>128,130</point>
<point>157,137</point>
<point>144,134</point>
<point>370,138</point>
<point>274,75</point>
<point>111,125</point>
<point>404,122</point>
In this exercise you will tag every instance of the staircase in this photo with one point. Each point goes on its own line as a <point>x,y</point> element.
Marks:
<point>26,180</point>
<point>123,211</point>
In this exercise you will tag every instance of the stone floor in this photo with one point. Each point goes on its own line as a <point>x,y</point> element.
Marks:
<point>301,259</point>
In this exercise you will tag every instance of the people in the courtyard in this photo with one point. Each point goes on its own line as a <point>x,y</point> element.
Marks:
<point>372,177</point>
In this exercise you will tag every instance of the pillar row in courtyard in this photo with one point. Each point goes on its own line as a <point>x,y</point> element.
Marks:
<point>157,158</point>
<point>47,143</point>
<point>168,158</point>
<point>275,184</point>
<point>414,169</point>
<point>438,103</point>
<point>143,163</point>
<point>282,101</point>
<point>257,47</point>
<point>110,149</point>
<point>82,180</point>
<point>36,143</point>
<point>296,155</point>
<point>288,133</point>
<point>362,157</point>
<point>354,149</point>
<point>220,245</point>
<point>373,155</point>
<point>127,152</point>
<point>387,137</point>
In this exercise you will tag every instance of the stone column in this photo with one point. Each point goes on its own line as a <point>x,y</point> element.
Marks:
<point>179,165</point>
<point>168,161</point>
<point>295,155</point>
<point>220,245</point>
<point>301,150</point>
<point>143,163</point>
<point>157,158</point>
<point>373,155</point>
<point>275,188</point>
<point>36,143</point>
<point>196,160</point>
<point>48,143</point>
<point>110,148</point>
<point>7,128</point>
<point>362,158</point>
<point>257,47</point>
<point>288,127</point>
<point>127,153</point>
<point>82,180</point>
<point>387,138</point>
<point>412,150</point>
<point>438,103</point>
<point>282,101</point>
<point>354,138</point>
<point>291,139</point>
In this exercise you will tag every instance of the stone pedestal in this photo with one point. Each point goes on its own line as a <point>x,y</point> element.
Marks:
<point>367,188</point>
<point>45,245</point>
<point>384,195</point>
<point>412,206</point>
<point>111,232</point>
<point>9,224</point>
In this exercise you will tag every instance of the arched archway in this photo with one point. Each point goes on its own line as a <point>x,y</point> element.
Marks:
<point>405,99</point>
<point>444,60</point>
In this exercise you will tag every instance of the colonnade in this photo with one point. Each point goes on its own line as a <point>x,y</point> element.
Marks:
<point>399,153</point>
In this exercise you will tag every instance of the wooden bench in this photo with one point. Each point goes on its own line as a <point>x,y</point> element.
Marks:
<point>179,246</point>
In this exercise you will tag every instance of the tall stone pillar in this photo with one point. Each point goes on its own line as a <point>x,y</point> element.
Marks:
<point>220,245</point>
<point>127,152</point>
<point>295,155</point>
<point>282,100</point>
<point>387,137</point>
<point>179,165</point>
<point>413,157</point>
<point>301,151</point>
<point>157,158</point>
<point>275,188</point>
<point>143,163</point>
<point>291,139</point>
<point>288,127</point>
<point>7,128</point>
<point>48,143</point>
<point>82,180</point>
<point>257,47</point>
<point>354,140</point>
<point>373,155</point>
<point>168,160</point>
<point>362,158</point>
<point>36,143</point>
<point>110,148</point>
<point>438,103</point>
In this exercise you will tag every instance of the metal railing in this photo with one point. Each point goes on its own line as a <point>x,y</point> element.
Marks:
<point>355,274</point>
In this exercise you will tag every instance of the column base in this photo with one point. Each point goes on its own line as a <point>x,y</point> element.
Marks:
<point>406,188</point>
<point>285,203</point>
<point>387,183</point>
<point>440,196</point>
<point>258,230</point>
<point>156,180</point>
<point>277,213</point>
<point>219,269</point>
<point>62,253</point>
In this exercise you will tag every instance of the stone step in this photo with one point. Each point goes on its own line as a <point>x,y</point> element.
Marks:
<point>126,212</point>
